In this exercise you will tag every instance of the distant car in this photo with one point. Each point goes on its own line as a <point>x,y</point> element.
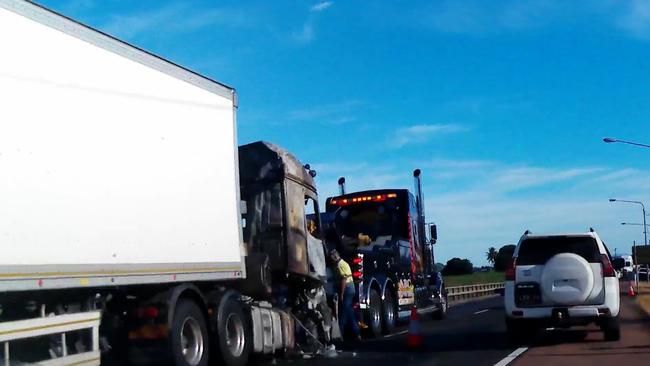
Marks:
<point>561,281</point>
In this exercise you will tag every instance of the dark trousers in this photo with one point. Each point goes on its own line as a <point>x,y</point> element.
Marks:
<point>346,311</point>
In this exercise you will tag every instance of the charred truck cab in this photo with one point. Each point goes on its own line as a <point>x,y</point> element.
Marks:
<point>282,235</point>
<point>382,235</point>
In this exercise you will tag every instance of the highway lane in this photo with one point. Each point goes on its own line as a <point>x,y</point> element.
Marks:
<point>585,345</point>
<point>473,333</point>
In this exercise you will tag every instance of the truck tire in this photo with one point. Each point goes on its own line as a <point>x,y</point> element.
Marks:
<point>612,329</point>
<point>189,335</point>
<point>234,338</point>
<point>373,315</point>
<point>388,313</point>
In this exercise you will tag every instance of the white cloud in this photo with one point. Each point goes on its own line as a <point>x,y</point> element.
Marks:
<point>456,164</point>
<point>525,177</point>
<point>321,6</point>
<point>481,18</point>
<point>489,17</point>
<point>334,113</point>
<point>307,33</point>
<point>635,18</point>
<point>176,17</point>
<point>304,35</point>
<point>422,133</point>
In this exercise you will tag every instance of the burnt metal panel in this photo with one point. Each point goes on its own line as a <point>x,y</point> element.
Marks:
<point>274,185</point>
<point>297,254</point>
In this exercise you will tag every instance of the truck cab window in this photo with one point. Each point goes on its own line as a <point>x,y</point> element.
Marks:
<point>311,218</point>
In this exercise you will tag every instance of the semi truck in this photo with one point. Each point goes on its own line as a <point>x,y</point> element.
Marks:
<point>132,226</point>
<point>382,234</point>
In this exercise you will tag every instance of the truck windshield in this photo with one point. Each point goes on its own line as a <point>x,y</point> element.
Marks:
<point>374,219</point>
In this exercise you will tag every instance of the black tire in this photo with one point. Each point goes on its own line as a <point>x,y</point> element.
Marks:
<point>611,329</point>
<point>389,313</point>
<point>373,315</point>
<point>189,340</point>
<point>233,338</point>
<point>443,307</point>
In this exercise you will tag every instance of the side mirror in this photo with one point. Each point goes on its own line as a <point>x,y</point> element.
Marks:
<point>433,233</point>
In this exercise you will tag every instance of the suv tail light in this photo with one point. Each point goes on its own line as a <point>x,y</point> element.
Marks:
<point>608,269</point>
<point>511,270</point>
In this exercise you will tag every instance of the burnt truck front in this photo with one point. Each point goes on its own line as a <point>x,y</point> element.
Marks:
<point>285,256</point>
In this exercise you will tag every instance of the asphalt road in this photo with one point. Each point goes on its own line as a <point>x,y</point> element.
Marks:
<point>474,333</point>
<point>585,346</point>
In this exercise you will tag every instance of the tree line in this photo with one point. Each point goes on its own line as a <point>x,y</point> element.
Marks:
<point>498,258</point>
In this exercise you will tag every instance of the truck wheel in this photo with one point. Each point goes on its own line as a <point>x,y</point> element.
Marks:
<point>233,340</point>
<point>373,314</point>
<point>388,313</point>
<point>189,335</point>
<point>612,329</point>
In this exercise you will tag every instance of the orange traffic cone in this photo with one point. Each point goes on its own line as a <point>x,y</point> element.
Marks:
<point>414,338</point>
<point>630,292</point>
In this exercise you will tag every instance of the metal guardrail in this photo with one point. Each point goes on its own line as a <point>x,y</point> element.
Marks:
<point>643,270</point>
<point>53,326</point>
<point>461,293</point>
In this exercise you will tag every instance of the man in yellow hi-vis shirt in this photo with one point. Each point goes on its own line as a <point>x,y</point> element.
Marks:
<point>346,311</point>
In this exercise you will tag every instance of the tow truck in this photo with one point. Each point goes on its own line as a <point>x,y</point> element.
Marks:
<point>382,235</point>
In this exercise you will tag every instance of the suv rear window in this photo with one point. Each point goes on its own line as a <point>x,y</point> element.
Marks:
<point>539,250</point>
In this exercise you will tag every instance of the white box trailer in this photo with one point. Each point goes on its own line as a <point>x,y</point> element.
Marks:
<point>120,204</point>
<point>116,166</point>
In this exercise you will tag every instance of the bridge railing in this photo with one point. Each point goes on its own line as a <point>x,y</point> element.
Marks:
<point>462,293</point>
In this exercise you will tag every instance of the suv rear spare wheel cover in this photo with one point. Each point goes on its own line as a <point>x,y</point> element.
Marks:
<point>567,279</point>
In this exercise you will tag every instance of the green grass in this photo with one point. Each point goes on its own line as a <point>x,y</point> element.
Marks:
<point>474,279</point>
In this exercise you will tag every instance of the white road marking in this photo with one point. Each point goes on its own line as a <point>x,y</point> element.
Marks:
<point>481,311</point>
<point>511,357</point>
<point>394,334</point>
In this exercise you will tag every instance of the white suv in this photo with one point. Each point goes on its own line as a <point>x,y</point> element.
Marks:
<point>560,281</point>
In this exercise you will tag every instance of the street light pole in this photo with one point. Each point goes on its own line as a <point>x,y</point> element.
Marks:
<point>610,140</point>
<point>645,226</point>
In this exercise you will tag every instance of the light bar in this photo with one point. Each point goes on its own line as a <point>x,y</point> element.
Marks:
<point>360,199</point>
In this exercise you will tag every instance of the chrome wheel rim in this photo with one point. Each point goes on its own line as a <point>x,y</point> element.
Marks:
<point>235,338</point>
<point>192,345</point>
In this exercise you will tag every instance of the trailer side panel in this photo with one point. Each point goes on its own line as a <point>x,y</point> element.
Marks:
<point>116,167</point>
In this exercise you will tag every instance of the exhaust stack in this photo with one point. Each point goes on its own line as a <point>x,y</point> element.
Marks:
<point>342,186</point>
<point>419,196</point>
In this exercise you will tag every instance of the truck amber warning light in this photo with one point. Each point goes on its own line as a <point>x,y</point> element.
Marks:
<point>375,198</point>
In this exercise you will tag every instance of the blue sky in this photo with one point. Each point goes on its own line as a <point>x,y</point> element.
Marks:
<point>502,104</point>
